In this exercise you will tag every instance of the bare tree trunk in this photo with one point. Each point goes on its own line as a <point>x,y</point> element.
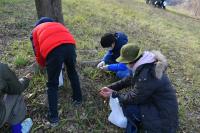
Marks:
<point>197,10</point>
<point>49,8</point>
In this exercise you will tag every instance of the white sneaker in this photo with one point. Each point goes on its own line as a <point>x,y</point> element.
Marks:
<point>26,125</point>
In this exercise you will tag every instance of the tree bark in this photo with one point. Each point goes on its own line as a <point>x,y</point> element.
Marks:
<point>50,8</point>
<point>197,11</point>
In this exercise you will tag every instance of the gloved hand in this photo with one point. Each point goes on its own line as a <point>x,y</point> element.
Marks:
<point>105,68</point>
<point>29,76</point>
<point>101,64</point>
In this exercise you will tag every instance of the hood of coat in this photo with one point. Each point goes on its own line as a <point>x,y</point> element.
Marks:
<point>121,39</point>
<point>153,57</point>
<point>161,63</point>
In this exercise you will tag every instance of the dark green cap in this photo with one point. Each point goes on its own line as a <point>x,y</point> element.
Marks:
<point>128,53</point>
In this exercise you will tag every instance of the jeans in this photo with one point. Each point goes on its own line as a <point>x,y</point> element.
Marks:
<point>62,54</point>
<point>132,113</point>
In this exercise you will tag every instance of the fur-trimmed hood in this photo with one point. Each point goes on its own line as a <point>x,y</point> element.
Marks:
<point>161,63</point>
<point>153,57</point>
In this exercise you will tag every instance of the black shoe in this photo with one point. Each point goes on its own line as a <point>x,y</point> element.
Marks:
<point>77,102</point>
<point>53,121</point>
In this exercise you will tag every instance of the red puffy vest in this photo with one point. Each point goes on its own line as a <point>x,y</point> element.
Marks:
<point>48,36</point>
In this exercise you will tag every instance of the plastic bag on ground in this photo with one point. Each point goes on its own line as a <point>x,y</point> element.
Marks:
<point>61,79</point>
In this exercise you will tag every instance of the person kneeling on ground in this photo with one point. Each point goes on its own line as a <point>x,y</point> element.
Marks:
<point>12,106</point>
<point>114,41</point>
<point>151,104</point>
<point>54,45</point>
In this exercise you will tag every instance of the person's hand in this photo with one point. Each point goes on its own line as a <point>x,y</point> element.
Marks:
<point>29,76</point>
<point>105,68</point>
<point>106,92</point>
<point>101,64</point>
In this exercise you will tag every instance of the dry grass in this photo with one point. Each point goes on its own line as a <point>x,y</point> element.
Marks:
<point>176,35</point>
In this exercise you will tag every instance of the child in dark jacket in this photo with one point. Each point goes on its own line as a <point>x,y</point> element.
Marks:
<point>54,45</point>
<point>114,41</point>
<point>12,106</point>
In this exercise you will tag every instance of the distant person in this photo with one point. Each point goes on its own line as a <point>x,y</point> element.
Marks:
<point>157,3</point>
<point>12,106</point>
<point>160,4</point>
<point>151,104</point>
<point>114,41</point>
<point>54,45</point>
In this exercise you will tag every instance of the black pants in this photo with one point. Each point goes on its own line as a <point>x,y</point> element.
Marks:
<point>61,54</point>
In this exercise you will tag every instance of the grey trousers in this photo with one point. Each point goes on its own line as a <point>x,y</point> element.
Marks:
<point>15,109</point>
